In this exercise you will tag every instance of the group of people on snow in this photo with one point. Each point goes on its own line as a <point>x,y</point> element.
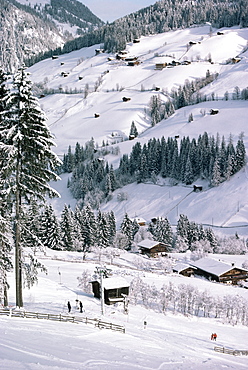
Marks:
<point>77,303</point>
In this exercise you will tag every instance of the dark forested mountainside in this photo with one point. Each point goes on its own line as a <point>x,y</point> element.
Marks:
<point>74,13</point>
<point>27,32</point>
<point>23,34</point>
<point>163,16</point>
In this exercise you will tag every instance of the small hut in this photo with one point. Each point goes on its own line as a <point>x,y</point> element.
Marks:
<point>115,289</point>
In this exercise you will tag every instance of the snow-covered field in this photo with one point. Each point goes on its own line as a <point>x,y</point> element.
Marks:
<point>167,342</point>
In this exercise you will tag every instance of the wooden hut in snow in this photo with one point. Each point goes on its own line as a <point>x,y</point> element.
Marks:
<point>115,289</point>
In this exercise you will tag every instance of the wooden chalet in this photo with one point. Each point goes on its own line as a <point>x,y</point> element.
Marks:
<point>152,248</point>
<point>140,221</point>
<point>184,269</point>
<point>160,66</point>
<point>115,289</point>
<point>219,271</point>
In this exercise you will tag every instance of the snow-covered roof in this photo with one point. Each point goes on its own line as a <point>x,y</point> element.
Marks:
<point>138,219</point>
<point>212,266</point>
<point>179,267</point>
<point>115,283</point>
<point>148,244</point>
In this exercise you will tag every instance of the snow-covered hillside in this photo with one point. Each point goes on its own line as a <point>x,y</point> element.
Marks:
<point>105,82</point>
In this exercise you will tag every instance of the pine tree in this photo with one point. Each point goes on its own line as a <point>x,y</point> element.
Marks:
<point>112,226</point>
<point>30,165</point>
<point>50,232</point>
<point>183,227</point>
<point>67,229</point>
<point>216,175</point>
<point>188,175</point>
<point>240,158</point>
<point>162,231</point>
<point>133,130</point>
<point>127,229</point>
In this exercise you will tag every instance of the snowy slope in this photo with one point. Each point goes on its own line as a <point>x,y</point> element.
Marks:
<point>71,116</point>
<point>168,341</point>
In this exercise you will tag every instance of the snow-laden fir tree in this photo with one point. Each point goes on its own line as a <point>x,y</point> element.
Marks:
<point>127,229</point>
<point>67,227</point>
<point>25,143</point>
<point>50,232</point>
<point>162,231</point>
<point>133,130</point>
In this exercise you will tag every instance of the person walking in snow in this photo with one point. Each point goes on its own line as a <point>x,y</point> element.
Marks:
<point>69,307</point>
<point>81,306</point>
<point>214,336</point>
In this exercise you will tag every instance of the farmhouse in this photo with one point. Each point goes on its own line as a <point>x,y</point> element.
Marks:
<point>115,289</point>
<point>152,247</point>
<point>184,269</point>
<point>219,271</point>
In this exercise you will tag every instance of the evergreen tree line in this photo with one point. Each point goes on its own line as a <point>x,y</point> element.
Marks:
<point>207,157</point>
<point>161,17</point>
<point>83,229</point>
<point>93,180</point>
<point>78,230</point>
<point>188,300</point>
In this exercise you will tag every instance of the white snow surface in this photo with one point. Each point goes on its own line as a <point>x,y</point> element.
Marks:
<point>166,342</point>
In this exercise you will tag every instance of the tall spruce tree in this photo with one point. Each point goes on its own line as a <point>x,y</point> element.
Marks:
<point>50,232</point>
<point>25,143</point>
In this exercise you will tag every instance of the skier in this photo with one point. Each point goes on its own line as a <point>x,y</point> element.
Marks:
<point>69,307</point>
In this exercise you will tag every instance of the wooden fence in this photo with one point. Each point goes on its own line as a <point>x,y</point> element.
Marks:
<point>74,319</point>
<point>233,352</point>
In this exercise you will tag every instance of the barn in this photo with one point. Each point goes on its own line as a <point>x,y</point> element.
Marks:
<point>152,247</point>
<point>184,269</point>
<point>115,289</point>
<point>219,271</point>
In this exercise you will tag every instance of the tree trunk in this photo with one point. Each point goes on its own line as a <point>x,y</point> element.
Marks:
<point>18,260</point>
<point>5,298</point>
